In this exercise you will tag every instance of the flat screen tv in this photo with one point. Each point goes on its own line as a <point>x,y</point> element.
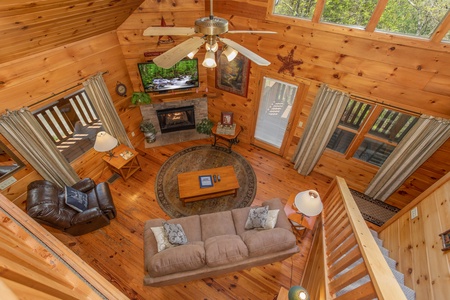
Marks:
<point>183,75</point>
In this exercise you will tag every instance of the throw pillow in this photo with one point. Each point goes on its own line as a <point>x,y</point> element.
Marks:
<point>76,199</point>
<point>257,217</point>
<point>272,218</point>
<point>175,233</point>
<point>161,238</point>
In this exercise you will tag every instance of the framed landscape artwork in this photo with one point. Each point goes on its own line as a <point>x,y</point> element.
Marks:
<point>232,76</point>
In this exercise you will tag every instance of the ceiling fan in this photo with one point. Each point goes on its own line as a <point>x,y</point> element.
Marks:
<point>211,27</point>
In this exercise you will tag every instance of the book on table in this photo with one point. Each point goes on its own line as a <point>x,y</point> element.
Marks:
<point>205,181</point>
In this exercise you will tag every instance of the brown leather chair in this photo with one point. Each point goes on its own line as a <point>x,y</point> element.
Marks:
<point>46,204</point>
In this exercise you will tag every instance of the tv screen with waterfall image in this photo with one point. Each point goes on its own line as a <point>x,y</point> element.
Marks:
<point>183,75</point>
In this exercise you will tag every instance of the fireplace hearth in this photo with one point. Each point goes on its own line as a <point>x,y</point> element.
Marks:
<point>176,119</point>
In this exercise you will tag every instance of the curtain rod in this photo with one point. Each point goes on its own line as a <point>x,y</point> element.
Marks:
<point>385,104</point>
<point>61,92</point>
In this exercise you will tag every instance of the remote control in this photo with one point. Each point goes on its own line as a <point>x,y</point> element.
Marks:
<point>215,178</point>
<point>218,177</point>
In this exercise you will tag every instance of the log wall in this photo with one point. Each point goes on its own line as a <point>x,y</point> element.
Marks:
<point>30,80</point>
<point>416,245</point>
<point>404,72</point>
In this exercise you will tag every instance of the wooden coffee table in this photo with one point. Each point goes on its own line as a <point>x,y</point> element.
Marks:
<point>190,190</point>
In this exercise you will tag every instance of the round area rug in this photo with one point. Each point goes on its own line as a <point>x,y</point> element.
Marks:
<point>200,158</point>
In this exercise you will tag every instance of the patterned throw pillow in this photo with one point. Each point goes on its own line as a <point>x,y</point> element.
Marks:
<point>175,233</point>
<point>272,218</point>
<point>257,217</point>
<point>161,238</point>
<point>76,199</point>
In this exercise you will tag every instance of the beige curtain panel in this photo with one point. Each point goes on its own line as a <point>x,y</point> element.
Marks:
<point>23,131</point>
<point>426,136</point>
<point>327,109</point>
<point>101,99</point>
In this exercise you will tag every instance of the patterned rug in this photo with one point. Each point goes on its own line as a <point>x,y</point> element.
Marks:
<point>200,158</point>
<point>373,210</point>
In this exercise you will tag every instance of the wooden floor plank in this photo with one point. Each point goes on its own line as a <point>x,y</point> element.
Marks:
<point>116,251</point>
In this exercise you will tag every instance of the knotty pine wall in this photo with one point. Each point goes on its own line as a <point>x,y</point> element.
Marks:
<point>31,79</point>
<point>416,244</point>
<point>407,73</point>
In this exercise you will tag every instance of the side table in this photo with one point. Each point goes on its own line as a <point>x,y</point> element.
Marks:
<point>121,166</point>
<point>231,139</point>
<point>298,222</point>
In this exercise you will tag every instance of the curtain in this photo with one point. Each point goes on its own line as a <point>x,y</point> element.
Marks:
<point>101,99</point>
<point>327,109</point>
<point>422,140</point>
<point>24,132</point>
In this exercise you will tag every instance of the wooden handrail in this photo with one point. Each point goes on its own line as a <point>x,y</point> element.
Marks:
<point>338,239</point>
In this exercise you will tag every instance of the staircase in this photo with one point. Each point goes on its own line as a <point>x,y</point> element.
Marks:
<point>409,293</point>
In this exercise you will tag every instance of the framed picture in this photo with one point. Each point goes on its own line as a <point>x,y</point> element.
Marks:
<point>205,181</point>
<point>232,76</point>
<point>445,240</point>
<point>226,118</point>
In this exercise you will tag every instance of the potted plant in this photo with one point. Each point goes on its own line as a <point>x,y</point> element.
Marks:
<point>139,98</point>
<point>205,126</point>
<point>149,131</point>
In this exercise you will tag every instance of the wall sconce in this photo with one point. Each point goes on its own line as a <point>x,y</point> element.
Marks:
<point>105,142</point>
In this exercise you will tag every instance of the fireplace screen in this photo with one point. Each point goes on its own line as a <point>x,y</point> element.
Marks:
<point>176,119</point>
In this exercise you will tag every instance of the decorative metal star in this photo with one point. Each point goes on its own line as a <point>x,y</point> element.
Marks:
<point>289,62</point>
<point>169,39</point>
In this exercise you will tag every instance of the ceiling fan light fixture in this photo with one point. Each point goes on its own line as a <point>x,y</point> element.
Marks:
<point>192,53</point>
<point>230,53</point>
<point>210,61</point>
<point>214,47</point>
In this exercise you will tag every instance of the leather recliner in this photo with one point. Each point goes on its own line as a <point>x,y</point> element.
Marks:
<point>46,204</point>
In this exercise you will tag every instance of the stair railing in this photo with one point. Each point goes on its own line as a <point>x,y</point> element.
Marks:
<point>346,240</point>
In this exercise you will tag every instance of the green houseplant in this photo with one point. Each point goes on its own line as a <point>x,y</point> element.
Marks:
<point>149,131</point>
<point>140,98</point>
<point>205,126</point>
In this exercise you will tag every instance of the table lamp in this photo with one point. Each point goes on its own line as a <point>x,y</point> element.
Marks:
<point>105,142</point>
<point>298,293</point>
<point>308,203</point>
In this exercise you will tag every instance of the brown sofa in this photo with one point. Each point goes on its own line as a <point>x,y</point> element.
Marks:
<point>217,243</point>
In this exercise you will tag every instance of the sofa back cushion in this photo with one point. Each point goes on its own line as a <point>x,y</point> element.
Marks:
<point>214,224</point>
<point>191,227</point>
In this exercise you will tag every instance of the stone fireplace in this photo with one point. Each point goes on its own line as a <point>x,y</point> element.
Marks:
<point>177,118</point>
<point>175,121</point>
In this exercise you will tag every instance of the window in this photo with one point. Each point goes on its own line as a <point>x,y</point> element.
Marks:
<point>350,12</point>
<point>295,8</point>
<point>72,123</point>
<point>369,132</point>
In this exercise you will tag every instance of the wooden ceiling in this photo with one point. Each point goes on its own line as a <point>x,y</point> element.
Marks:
<point>32,26</point>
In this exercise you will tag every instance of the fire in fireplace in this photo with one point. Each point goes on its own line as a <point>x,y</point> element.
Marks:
<point>176,119</point>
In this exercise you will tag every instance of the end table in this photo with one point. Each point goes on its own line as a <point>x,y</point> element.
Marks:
<point>123,167</point>
<point>231,139</point>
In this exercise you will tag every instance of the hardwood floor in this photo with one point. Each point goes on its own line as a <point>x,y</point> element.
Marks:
<point>116,251</point>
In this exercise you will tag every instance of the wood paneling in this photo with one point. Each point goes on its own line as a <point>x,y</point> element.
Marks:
<point>416,244</point>
<point>30,27</point>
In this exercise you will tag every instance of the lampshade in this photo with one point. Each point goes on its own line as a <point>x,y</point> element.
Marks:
<point>192,53</point>
<point>308,203</point>
<point>212,47</point>
<point>104,142</point>
<point>230,53</point>
<point>210,61</point>
<point>298,293</point>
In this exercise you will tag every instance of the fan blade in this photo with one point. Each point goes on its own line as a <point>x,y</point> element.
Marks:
<point>247,53</point>
<point>156,31</point>
<point>177,53</point>
<point>251,31</point>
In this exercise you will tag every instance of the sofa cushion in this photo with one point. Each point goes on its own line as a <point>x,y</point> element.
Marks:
<point>214,224</point>
<point>257,217</point>
<point>260,242</point>
<point>177,259</point>
<point>240,217</point>
<point>175,234</point>
<point>224,249</point>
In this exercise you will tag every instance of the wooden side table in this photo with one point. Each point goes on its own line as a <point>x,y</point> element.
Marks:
<point>231,139</point>
<point>298,222</point>
<point>121,166</point>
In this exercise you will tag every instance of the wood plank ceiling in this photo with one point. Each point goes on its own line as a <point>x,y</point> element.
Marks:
<point>30,27</point>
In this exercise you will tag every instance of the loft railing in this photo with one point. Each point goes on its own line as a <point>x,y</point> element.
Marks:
<point>349,254</point>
